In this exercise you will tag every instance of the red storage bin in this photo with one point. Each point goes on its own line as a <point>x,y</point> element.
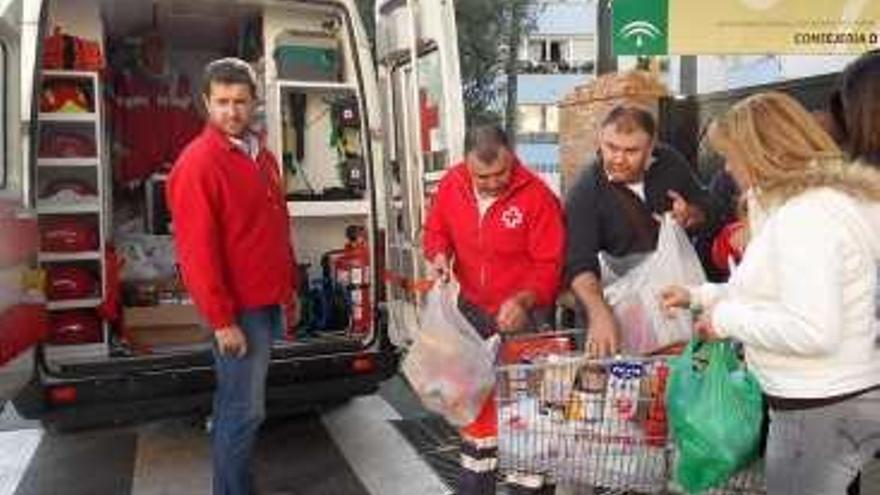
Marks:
<point>53,50</point>
<point>69,235</point>
<point>77,187</point>
<point>64,51</point>
<point>71,282</point>
<point>80,326</point>
<point>59,144</point>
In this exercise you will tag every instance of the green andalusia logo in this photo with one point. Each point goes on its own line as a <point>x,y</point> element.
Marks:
<point>641,27</point>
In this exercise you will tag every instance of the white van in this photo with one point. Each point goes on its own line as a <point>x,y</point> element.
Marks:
<point>361,141</point>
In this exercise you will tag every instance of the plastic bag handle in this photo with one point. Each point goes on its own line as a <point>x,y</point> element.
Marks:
<point>691,347</point>
<point>721,354</point>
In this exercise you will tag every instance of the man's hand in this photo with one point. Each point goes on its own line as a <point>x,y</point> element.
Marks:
<point>513,316</point>
<point>231,341</point>
<point>439,269</point>
<point>603,335</point>
<point>687,215</point>
<point>674,297</point>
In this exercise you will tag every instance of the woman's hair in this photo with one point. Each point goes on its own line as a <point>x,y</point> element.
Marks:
<point>859,90</point>
<point>786,152</point>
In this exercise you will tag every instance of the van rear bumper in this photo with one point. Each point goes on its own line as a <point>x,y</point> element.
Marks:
<point>131,397</point>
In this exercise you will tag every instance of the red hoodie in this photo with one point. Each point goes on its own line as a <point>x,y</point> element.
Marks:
<point>231,228</point>
<point>519,244</point>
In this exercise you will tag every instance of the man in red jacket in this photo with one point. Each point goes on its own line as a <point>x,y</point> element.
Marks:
<point>499,229</point>
<point>231,231</point>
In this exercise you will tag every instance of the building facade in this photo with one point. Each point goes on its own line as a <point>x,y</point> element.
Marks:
<point>557,55</point>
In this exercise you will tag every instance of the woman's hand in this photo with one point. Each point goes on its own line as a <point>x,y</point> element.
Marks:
<point>674,297</point>
<point>704,329</point>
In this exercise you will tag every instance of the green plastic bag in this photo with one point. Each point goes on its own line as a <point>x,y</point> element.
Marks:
<point>715,409</point>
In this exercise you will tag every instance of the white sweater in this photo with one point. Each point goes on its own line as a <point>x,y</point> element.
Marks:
<point>803,299</point>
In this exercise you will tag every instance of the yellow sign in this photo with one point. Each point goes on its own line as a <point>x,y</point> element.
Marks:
<point>773,26</point>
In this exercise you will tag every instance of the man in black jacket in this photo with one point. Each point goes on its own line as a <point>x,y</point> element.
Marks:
<point>613,206</point>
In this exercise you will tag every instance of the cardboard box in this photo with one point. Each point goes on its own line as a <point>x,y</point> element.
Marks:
<point>166,325</point>
<point>162,315</point>
<point>169,336</point>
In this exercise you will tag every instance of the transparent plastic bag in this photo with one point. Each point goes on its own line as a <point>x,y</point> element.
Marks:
<point>449,365</point>
<point>635,297</point>
<point>613,268</point>
<point>403,322</point>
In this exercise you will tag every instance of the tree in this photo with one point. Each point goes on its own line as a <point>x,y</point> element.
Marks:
<point>479,32</point>
<point>520,20</point>
<point>489,35</point>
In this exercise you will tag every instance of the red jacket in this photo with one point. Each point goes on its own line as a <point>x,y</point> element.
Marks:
<point>519,244</point>
<point>231,228</point>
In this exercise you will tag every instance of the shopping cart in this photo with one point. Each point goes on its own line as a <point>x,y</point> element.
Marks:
<point>591,426</point>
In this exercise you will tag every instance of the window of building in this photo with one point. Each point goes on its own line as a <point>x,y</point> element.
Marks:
<point>544,50</point>
<point>583,50</point>
<point>555,51</point>
<point>531,119</point>
<point>538,122</point>
<point>551,119</point>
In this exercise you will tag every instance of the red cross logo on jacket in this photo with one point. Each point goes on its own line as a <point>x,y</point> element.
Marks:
<point>512,217</point>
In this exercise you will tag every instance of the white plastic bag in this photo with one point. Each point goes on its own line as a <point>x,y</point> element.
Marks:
<point>635,297</point>
<point>147,257</point>
<point>449,365</point>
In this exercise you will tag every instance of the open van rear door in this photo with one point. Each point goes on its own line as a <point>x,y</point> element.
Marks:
<point>22,315</point>
<point>420,85</point>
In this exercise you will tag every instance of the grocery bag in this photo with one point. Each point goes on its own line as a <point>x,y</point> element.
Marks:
<point>450,367</point>
<point>715,410</point>
<point>635,296</point>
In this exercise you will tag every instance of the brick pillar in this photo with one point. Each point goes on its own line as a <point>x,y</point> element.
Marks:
<point>581,112</point>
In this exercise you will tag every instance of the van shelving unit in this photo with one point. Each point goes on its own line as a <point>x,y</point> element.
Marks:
<point>48,168</point>
<point>322,208</point>
<point>330,216</point>
<point>320,222</point>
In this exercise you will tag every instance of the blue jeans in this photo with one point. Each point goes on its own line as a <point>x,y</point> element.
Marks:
<point>239,402</point>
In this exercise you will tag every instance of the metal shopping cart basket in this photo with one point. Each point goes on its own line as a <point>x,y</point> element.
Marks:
<point>592,426</point>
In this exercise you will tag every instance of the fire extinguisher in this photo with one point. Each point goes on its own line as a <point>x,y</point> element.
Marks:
<point>352,269</point>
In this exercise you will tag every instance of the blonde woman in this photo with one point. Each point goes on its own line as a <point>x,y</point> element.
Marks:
<point>802,300</point>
